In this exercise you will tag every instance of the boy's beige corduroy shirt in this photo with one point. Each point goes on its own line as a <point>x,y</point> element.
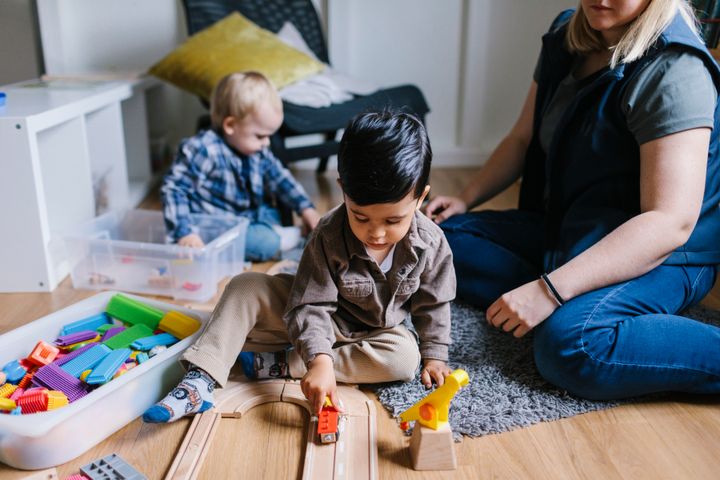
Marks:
<point>337,281</point>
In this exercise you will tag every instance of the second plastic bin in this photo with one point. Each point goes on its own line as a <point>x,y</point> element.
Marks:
<point>127,251</point>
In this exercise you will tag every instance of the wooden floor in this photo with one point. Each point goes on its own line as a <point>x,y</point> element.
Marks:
<point>673,439</point>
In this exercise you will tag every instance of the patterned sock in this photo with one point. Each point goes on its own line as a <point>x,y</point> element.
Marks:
<point>261,365</point>
<point>194,394</point>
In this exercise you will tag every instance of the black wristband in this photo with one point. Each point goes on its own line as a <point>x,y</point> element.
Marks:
<point>552,289</point>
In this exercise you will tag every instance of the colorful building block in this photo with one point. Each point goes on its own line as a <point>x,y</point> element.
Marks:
<point>86,360</point>
<point>74,354</point>
<point>111,467</point>
<point>43,353</point>
<point>178,324</point>
<point>34,400</point>
<point>133,312</point>
<point>53,377</point>
<point>107,368</point>
<point>7,404</point>
<point>89,323</point>
<point>76,337</point>
<point>7,390</point>
<point>124,339</point>
<point>17,394</point>
<point>14,371</point>
<point>111,332</point>
<point>149,342</point>
<point>142,357</point>
<point>56,399</point>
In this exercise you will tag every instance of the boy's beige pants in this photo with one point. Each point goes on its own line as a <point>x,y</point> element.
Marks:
<point>249,318</point>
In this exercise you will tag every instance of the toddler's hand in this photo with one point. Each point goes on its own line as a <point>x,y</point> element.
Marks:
<point>319,382</point>
<point>191,240</point>
<point>434,370</point>
<point>310,218</point>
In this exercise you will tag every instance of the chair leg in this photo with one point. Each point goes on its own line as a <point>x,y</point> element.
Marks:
<point>322,166</point>
<point>277,145</point>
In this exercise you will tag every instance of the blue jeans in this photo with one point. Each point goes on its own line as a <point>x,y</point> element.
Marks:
<point>619,341</point>
<point>262,243</point>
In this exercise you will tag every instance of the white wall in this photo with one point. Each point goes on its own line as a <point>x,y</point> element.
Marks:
<point>473,59</point>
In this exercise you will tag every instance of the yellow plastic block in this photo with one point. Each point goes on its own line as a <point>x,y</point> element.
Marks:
<point>178,324</point>
<point>56,399</point>
<point>432,411</point>
<point>7,404</point>
<point>7,390</point>
<point>85,374</point>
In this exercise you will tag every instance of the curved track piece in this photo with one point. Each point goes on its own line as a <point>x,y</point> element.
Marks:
<point>353,456</point>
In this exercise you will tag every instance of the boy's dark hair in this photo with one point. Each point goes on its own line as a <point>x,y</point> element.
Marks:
<point>382,156</point>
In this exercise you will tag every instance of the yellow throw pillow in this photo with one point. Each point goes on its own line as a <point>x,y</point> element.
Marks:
<point>234,44</point>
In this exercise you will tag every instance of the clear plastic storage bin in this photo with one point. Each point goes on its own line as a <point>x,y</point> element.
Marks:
<point>47,439</point>
<point>127,251</point>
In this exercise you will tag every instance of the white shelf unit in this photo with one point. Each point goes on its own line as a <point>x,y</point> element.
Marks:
<point>70,150</point>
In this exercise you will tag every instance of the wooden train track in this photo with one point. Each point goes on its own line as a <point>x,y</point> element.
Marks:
<point>352,457</point>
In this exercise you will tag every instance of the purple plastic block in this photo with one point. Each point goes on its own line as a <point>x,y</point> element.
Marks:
<point>53,377</point>
<point>111,333</point>
<point>73,354</point>
<point>77,337</point>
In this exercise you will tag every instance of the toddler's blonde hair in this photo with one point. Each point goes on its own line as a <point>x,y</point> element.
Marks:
<point>640,35</point>
<point>239,94</point>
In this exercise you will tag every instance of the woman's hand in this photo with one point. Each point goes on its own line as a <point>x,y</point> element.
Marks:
<point>434,371</point>
<point>441,208</point>
<point>520,310</point>
<point>319,382</point>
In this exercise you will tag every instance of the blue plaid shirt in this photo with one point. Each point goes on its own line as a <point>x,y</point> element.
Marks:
<point>209,177</point>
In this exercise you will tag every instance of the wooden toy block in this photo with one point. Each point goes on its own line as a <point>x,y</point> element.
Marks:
<point>431,444</point>
<point>133,312</point>
<point>178,324</point>
<point>125,338</point>
<point>43,353</point>
<point>432,449</point>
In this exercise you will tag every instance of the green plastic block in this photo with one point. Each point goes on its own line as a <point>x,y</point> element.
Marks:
<point>133,312</point>
<point>126,337</point>
<point>104,328</point>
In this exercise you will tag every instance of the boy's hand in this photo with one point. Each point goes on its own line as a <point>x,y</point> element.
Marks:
<point>310,218</point>
<point>191,240</point>
<point>434,370</point>
<point>319,382</point>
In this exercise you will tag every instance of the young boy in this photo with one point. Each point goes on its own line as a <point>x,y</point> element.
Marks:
<point>369,264</point>
<point>229,169</point>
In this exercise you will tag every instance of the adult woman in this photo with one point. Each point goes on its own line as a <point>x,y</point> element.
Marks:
<point>618,151</point>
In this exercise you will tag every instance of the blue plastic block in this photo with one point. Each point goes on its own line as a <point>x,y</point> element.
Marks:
<point>14,372</point>
<point>89,323</point>
<point>87,360</point>
<point>104,371</point>
<point>149,342</point>
<point>3,97</point>
<point>142,357</point>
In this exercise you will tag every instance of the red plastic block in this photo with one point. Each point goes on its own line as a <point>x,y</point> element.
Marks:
<point>42,354</point>
<point>34,400</point>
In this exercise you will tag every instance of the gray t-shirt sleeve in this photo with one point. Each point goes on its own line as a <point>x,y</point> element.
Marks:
<point>673,93</point>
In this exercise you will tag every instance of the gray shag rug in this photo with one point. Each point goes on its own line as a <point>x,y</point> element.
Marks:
<point>505,390</point>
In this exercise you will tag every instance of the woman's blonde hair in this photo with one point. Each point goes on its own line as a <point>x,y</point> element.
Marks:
<point>240,94</point>
<point>639,36</point>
